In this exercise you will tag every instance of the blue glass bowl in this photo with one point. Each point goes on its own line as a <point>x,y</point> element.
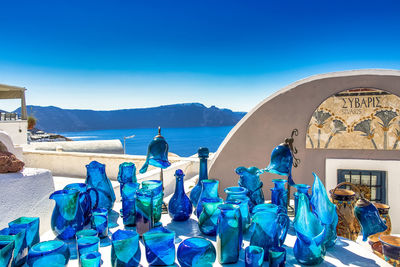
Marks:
<point>86,232</point>
<point>160,247</point>
<point>196,251</point>
<point>125,249</point>
<point>91,259</point>
<point>54,251</point>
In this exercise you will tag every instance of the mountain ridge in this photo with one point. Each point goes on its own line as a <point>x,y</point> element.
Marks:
<point>56,119</point>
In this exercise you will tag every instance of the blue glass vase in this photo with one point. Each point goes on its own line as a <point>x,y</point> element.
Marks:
<point>67,217</point>
<point>179,207</point>
<point>279,195</point>
<point>209,190</point>
<point>96,178</point>
<point>254,256</point>
<point>87,203</point>
<point>88,244</point>
<point>100,222</point>
<point>126,174</point>
<point>21,248</point>
<point>91,259</point>
<point>309,248</point>
<point>128,212</point>
<point>244,211</point>
<point>277,257</point>
<point>156,187</point>
<point>325,210</point>
<point>125,250</point>
<point>55,252</point>
<point>160,247</point>
<point>249,178</point>
<point>229,233</point>
<point>6,253</point>
<point>268,229</point>
<point>368,216</point>
<point>144,211</point>
<point>31,225</point>
<point>196,252</point>
<point>301,188</point>
<point>208,219</point>
<point>203,153</point>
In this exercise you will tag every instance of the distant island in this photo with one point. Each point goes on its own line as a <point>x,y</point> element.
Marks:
<point>54,119</point>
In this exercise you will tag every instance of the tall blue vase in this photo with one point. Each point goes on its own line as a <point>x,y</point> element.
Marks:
<point>209,190</point>
<point>96,178</point>
<point>229,233</point>
<point>126,174</point>
<point>67,217</point>
<point>128,193</point>
<point>309,248</point>
<point>249,178</point>
<point>301,188</point>
<point>203,153</point>
<point>125,250</point>
<point>325,210</point>
<point>244,211</point>
<point>156,187</point>
<point>144,211</point>
<point>208,220</point>
<point>6,253</point>
<point>21,248</point>
<point>279,195</point>
<point>179,207</point>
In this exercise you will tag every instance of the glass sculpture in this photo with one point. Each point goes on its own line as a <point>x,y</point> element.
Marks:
<point>368,216</point>
<point>249,178</point>
<point>157,153</point>
<point>179,207</point>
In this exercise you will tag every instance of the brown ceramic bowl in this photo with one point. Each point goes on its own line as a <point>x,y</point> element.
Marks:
<point>390,246</point>
<point>377,249</point>
<point>342,194</point>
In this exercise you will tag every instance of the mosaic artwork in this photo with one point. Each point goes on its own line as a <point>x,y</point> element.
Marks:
<point>361,118</point>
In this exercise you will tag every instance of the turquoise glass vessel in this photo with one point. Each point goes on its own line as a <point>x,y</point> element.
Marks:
<point>20,248</point>
<point>235,192</point>
<point>91,259</point>
<point>309,248</point>
<point>156,187</point>
<point>31,225</point>
<point>268,207</point>
<point>127,173</point>
<point>281,162</point>
<point>100,222</point>
<point>325,210</point>
<point>55,252</point>
<point>87,203</point>
<point>253,256</point>
<point>88,244</point>
<point>157,153</point>
<point>279,195</point>
<point>125,250</point>
<point>196,252</point>
<point>179,207</point>
<point>277,257</point>
<point>160,247</point>
<point>144,211</point>
<point>203,153</point>
<point>86,232</point>
<point>128,194</point>
<point>6,253</point>
<point>249,178</point>
<point>244,211</point>
<point>209,190</point>
<point>96,178</point>
<point>368,216</point>
<point>229,233</point>
<point>268,229</point>
<point>301,188</point>
<point>208,219</point>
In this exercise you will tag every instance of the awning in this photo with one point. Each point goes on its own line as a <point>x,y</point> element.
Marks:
<point>14,92</point>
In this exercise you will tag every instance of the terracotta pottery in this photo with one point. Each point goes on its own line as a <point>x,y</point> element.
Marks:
<point>391,248</point>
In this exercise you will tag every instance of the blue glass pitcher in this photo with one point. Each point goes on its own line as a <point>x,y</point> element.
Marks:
<point>67,217</point>
<point>249,178</point>
<point>268,229</point>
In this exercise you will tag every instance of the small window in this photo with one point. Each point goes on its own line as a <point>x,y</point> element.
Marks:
<point>374,180</point>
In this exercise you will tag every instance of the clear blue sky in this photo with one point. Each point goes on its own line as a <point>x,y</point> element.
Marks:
<point>233,54</point>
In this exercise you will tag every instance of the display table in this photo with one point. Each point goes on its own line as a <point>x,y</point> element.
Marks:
<point>344,253</point>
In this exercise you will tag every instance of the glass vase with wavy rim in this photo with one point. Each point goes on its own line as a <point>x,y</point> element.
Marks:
<point>249,178</point>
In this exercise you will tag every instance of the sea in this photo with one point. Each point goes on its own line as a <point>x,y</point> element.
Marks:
<point>182,141</point>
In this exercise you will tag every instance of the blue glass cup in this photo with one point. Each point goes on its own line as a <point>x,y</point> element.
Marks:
<point>196,251</point>
<point>128,194</point>
<point>31,225</point>
<point>100,222</point>
<point>6,253</point>
<point>156,187</point>
<point>91,259</point>
<point>86,232</point>
<point>125,249</point>
<point>208,219</point>
<point>54,251</point>
<point>279,195</point>
<point>21,248</point>
<point>88,244</point>
<point>144,211</point>
<point>160,247</point>
<point>277,257</point>
<point>253,256</point>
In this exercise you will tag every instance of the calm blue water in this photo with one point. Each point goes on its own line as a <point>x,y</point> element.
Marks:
<point>182,141</point>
